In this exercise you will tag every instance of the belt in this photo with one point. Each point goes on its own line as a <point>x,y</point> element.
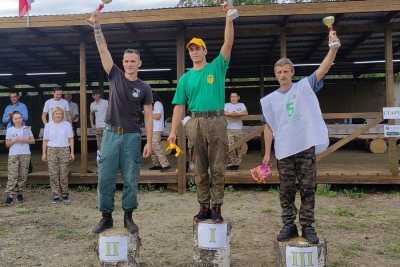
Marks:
<point>208,114</point>
<point>119,130</point>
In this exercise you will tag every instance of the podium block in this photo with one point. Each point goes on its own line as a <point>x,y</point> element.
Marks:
<point>211,244</point>
<point>118,248</point>
<point>297,252</point>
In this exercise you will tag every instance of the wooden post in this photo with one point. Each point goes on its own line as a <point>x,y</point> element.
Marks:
<point>180,69</point>
<point>262,92</point>
<point>211,244</point>
<point>83,107</point>
<point>283,40</point>
<point>300,253</point>
<point>390,96</point>
<point>262,82</point>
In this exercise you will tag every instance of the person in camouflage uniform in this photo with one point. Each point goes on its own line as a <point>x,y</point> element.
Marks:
<point>58,151</point>
<point>294,120</point>
<point>18,138</point>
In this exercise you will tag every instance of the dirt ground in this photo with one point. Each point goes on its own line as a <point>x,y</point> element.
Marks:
<point>361,229</point>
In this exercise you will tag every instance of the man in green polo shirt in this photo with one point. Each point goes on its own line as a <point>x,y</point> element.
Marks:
<point>203,89</point>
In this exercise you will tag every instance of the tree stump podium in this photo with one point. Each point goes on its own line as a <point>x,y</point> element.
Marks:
<point>297,252</point>
<point>117,247</point>
<point>211,244</point>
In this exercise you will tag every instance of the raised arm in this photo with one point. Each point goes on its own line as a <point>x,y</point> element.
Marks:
<point>105,55</point>
<point>330,57</point>
<point>229,34</point>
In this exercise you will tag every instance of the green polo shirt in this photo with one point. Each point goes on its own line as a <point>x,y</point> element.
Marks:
<point>204,89</point>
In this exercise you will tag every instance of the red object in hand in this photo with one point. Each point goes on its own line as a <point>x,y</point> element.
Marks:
<point>261,173</point>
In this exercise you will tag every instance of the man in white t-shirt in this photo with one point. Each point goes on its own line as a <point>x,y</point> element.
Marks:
<point>294,119</point>
<point>158,157</point>
<point>56,101</point>
<point>234,111</point>
<point>98,111</point>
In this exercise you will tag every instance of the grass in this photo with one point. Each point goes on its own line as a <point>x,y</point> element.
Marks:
<point>22,210</point>
<point>325,190</point>
<point>352,250</point>
<point>393,249</point>
<point>343,212</point>
<point>66,234</point>
<point>3,231</point>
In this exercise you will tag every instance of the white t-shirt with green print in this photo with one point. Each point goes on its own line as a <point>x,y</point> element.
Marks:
<point>295,118</point>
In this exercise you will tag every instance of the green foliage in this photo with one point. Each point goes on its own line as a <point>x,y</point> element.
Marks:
<point>325,190</point>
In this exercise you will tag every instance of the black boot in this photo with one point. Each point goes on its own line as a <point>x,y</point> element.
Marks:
<point>287,232</point>
<point>129,224</point>
<point>309,234</point>
<point>216,215</point>
<point>105,223</point>
<point>203,214</point>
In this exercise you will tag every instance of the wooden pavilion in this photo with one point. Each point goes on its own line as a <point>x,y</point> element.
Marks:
<point>369,31</point>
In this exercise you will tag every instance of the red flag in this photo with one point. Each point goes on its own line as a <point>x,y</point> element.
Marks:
<point>24,7</point>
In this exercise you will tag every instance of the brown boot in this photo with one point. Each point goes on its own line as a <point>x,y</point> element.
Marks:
<point>216,215</point>
<point>203,214</point>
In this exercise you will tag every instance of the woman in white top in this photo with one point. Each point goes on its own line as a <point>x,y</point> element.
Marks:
<point>18,138</point>
<point>58,151</point>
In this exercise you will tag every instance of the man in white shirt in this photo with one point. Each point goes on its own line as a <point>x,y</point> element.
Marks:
<point>98,111</point>
<point>158,157</point>
<point>294,119</point>
<point>234,111</point>
<point>51,104</point>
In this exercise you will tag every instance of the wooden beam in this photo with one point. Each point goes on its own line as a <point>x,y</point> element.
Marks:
<point>344,53</point>
<point>206,13</point>
<point>390,97</point>
<point>83,109</point>
<point>180,69</point>
<point>349,138</point>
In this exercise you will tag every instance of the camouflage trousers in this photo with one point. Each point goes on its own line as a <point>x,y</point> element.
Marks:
<point>99,137</point>
<point>58,162</point>
<point>158,156</point>
<point>298,173</point>
<point>18,167</point>
<point>235,156</point>
<point>208,138</point>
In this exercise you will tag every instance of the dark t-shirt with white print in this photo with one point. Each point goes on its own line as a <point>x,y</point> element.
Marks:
<point>126,100</point>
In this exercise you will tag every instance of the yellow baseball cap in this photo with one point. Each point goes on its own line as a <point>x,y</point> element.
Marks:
<point>196,41</point>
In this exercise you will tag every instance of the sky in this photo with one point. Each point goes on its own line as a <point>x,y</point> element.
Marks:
<point>52,7</point>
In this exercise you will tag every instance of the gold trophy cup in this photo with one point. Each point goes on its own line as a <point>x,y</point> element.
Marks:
<point>329,21</point>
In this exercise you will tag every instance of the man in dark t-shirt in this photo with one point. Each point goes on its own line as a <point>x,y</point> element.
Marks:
<point>121,144</point>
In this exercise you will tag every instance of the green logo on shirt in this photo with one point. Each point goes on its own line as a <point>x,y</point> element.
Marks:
<point>290,106</point>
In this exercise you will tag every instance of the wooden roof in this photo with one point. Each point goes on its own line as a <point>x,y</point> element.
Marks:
<point>52,42</point>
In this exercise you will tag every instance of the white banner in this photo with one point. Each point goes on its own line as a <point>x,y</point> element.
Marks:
<point>392,130</point>
<point>391,113</point>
